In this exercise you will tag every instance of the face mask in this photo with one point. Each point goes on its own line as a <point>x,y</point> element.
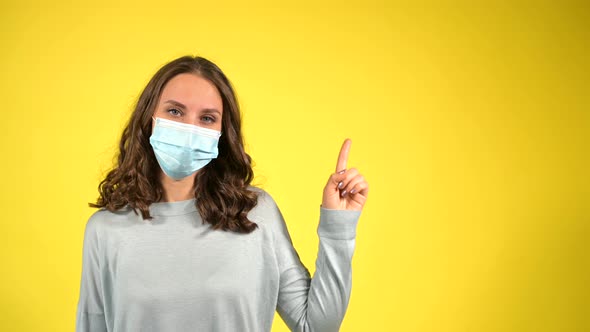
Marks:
<point>182,149</point>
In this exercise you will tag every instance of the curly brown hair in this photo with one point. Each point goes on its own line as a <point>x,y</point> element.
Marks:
<point>222,193</point>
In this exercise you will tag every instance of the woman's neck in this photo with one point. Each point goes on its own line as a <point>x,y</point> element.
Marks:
<point>177,190</point>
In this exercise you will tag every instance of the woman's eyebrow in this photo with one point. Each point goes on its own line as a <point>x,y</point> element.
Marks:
<point>175,103</point>
<point>211,110</point>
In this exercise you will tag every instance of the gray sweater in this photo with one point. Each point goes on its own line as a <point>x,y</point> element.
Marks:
<point>174,273</point>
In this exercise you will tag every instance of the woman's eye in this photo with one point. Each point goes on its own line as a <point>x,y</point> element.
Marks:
<point>208,119</point>
<point>174,112</point>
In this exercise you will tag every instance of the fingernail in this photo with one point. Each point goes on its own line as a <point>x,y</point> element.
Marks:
<point>352,191</point>
<point>343,193</point>
<point>342,171</point>
<point>340,185</point>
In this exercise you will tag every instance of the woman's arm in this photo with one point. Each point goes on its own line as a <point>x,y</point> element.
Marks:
<point>318,303</point>
<point>90,314</point>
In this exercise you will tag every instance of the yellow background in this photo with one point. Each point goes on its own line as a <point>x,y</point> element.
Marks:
<point>470,121</point>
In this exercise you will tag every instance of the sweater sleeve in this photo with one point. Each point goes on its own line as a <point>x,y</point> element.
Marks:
<point>90,315</point>
<point>318,303</point>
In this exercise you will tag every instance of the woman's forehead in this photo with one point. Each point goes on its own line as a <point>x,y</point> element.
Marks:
<point>193,91</point>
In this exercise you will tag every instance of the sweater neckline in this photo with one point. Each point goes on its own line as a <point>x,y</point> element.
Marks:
<point>173,208</point>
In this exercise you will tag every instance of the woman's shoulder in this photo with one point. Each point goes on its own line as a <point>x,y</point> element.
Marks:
<point>103,218</point>
<point>266,209</point>
<point>269,219</point>
<point>267,215</point>
<point>265,199</point>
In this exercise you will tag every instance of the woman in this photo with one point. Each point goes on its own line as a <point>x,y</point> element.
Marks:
<point>183,242</point>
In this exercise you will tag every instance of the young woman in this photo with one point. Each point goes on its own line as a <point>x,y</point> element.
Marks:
<point>183,242</point>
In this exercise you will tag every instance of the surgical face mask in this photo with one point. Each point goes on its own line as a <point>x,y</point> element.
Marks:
<point>182,149</point>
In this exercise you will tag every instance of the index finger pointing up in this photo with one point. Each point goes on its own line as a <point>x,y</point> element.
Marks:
<point>343,156</point>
